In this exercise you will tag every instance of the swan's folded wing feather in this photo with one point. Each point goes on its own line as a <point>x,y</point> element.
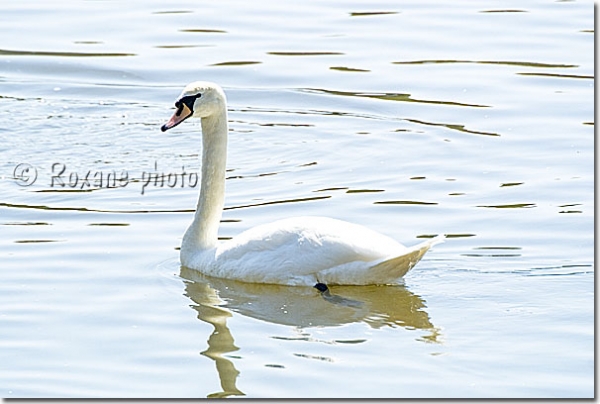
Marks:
<point>381,272</point>
<point>398,266</point>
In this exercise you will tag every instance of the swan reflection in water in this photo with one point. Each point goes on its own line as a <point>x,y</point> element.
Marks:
<point>301,307</point>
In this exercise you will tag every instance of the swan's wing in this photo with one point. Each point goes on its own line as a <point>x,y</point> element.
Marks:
<point>379,272</point>
<point>398,266</point>
<point>293,251</point>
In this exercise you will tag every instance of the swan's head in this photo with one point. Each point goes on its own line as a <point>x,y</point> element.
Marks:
<point>200,100</point>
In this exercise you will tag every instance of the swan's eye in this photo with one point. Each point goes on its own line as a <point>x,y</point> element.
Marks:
<point>179,107</point>
<point>188,100</point>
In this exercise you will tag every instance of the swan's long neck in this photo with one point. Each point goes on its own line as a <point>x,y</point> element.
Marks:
<point>203,230</point>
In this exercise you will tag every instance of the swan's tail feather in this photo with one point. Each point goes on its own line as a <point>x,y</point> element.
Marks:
<point>383,272</point>
<point>391,269</point>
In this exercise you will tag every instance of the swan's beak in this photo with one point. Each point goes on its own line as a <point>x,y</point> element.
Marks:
<point>182,113</point>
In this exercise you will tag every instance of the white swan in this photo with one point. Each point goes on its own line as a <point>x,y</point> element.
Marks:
<point>296,251</point>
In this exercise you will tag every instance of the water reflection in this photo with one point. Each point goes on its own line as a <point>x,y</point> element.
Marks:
<point>305,53</point>
<point>392,97</point>
<point>460,128</point>
<point>378,306</point>
<point>349,69</point>
<point>9,52</point>
<point>220,342</point>
<point>372,13</point>
<point>564,76</point>
<point>488,62</point>
<point>237,63</point>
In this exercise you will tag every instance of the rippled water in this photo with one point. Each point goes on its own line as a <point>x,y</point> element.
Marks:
<point>474,120</point>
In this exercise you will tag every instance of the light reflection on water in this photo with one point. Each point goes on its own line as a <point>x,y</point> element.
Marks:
<point>302,308</point>
<point>412,119</point>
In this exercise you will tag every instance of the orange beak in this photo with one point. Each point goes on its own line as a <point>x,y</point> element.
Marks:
<point>182,113</point>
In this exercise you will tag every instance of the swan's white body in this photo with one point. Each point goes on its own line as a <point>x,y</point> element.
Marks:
<point>296,251</point>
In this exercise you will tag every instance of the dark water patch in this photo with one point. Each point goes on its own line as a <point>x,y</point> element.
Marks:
<point>237,63</point>
<point>317,357</point>
<point>486,62</point>
<point>564,266</point>
<point>315,198</point>
<point>450,235</point>
<point>362,191</point>
<point>504,11</point>
<point>570,205</point>
<point>173,12</point>
<point>460,128</point>
<point>349,341</point>
<point>8,52</point>
<point>349,69</point>
<point>109,224</point>
<point>404,203</point>
<point>180,46</point>
<point>491,255</point>
<point>26,224</point>
<point>308,339</point>
<point>561,273</point>
<point>493,252</point>
<point>331,189</point>
<point>203,31</point>
<point>560,76</point>
<point>305,53</point>
<point>427,235</point>
<point>510,206</point>
<point>81,209</point>
<point>37,241</point>
<point>562,270</point>
<point>511,184</point>
<point>8,97</point>
<point>59,190</point>
<point>372,13</point>
<point>239,177</point>
<point>292,125</point>
<point>306,112</point>
<point>402,97</point>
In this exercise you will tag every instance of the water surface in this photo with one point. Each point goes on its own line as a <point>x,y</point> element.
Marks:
<point>414,118</point>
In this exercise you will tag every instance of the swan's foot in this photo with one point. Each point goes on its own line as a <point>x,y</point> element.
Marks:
<point>321,287</point>
<point>335,299</point>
